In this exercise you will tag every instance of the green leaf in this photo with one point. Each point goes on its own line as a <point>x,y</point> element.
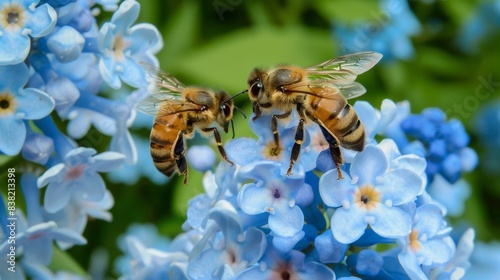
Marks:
<point>62,261</point>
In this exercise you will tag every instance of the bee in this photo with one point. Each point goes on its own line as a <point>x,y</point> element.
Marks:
<point>179,112</point>
<point>318,93</point>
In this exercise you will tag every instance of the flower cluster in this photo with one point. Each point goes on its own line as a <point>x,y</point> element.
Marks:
<point>254,220</point>
<point>388,31</point>
<point>55,61</point>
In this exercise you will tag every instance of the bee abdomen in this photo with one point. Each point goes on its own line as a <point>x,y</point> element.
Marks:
<point>354,139</point>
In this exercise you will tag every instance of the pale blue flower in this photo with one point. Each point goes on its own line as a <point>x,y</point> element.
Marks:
<point>370,195</point>
<point>247,150</point>
<point>451,196</point>
<point>77,176</point>
<point>37,147</point>
<point>388,32</point>
<point>292,265</point>
<point>429,244</point>
<point>19,21</point>
<point>233,249</point>
<point>123,47</point>
<point>17,104</point>
<point>35,236</point>
<point>201,157</point>
<point>273,193</point>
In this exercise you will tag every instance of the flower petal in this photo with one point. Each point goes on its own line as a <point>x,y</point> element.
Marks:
<point>286,221</point>
<point>127,13</point>
<point>334,191</point>
<point>34,104</point>
<point>42,21</point>
<point>391,222</point>
<point>14,48</point>
<point>368,165</point>
<point>50,175</point>
<point>253,199</point>
<point>107,161</point>
<point>400,186</point>
<point>12,136</point>
<point>243,150</point>
<point>108,72</point>
<point>57,195</point>
<point>145,37</point>
<point>90,187</point>
<point>348,225</point>
<point>411,266</point>
<point>132,73</point>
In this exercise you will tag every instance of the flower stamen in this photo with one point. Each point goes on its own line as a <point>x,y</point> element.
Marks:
<point>367,197</point>
<point>7,104</point>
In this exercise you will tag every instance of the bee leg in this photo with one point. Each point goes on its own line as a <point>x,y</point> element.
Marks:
<point>218,140</point>
<point>180,159</point>
<point>274,129</point>
<point>299,139</point>
<point>257,111</point>
<point>334,151</point>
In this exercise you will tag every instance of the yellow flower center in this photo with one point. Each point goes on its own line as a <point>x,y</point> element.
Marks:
<point>270,151</point>
<point>367,197</point>
<point>414,243</point>
<point>12,16</point>
<point>7,104</point>
<point>118,48</point>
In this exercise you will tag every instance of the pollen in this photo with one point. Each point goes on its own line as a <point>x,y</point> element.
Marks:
<point>270,151</point>
<point>414,242</point>
<point>12,16</point>
<point>367,197</point>
<point>119,48</point>
<point>7,104</point>
<point>75,172</point>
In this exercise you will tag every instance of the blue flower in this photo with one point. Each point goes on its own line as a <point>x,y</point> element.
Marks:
<point>244,150</point>
<point>149,237</point>
<point>201,157</point>
<point>370,195</point>
<point>329,250</point>
<point>483,22</point>
<point>233,252</point>
<point>486,125</point>
<point>124,47</point>
<point>445,144</point>
<point>78,177</point>
<point>292,265</point>
<point>154,264</point>
<point>19,21</point>
<point>272,193</point>
<point>428,244</point>
<point>37,147</point>
<point>388,33</point>
<point>18,104</point>
<point>451,196</point>
<point>35,236</point>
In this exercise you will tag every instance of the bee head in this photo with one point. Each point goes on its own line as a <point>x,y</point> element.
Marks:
<point>255,85</point>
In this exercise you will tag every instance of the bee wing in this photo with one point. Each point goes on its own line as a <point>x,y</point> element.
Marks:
<point>166,105</point>
<point>327,89</point>
<point>344,69</point>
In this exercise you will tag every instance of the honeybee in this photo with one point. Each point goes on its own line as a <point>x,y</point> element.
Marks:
<point>318,92</point>
<point>179,111</point>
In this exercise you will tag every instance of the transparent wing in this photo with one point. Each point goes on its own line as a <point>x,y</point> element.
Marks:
<point>164,89</point>
<point>152,105</point>
<point>328,89</point>
<point>344,69</point>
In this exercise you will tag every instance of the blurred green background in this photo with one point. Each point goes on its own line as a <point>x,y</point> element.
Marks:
<point>217,43</point>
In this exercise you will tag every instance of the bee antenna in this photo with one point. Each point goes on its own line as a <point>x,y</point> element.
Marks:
<point>240,111</point>
<point>239,93</point>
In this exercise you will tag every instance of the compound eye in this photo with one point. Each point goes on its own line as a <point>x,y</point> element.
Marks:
<point>255,89</point>
<point>226,109</point>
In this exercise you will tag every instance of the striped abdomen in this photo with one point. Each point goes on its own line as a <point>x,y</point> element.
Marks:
<point>167,143</point>
<point>340,119</point>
